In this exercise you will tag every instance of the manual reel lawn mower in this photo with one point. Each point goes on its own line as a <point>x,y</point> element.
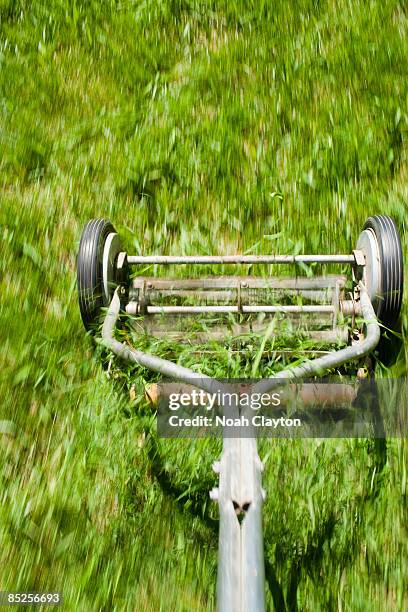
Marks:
<point>345,311</point>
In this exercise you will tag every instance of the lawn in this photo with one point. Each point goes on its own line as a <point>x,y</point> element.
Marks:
<point>196,127</point>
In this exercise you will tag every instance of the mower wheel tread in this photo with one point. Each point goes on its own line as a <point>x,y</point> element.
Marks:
<point>392,276</point>
<point>89,269</point>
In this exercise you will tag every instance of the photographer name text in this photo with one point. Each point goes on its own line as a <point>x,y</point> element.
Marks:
<point>256,420</point>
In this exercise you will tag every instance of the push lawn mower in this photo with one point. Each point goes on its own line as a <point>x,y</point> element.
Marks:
<point>343,311</point>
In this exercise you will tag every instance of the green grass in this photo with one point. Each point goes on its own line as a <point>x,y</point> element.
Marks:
<point>197,127</point>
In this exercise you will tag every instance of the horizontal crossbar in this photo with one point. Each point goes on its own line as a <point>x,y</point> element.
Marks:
<point>239,259</point>
<point>134,308</point>
<point>244,282</point>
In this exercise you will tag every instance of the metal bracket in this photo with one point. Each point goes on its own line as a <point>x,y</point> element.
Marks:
<point>359,265</point>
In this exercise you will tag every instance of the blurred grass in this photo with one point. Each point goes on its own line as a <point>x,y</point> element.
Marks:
<point>197,127</point>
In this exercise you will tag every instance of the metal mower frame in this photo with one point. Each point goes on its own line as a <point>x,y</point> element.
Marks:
<point>376,268</point>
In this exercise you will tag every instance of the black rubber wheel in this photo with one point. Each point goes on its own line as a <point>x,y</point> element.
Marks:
<point>90,270</point>
<point>391,264</point>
